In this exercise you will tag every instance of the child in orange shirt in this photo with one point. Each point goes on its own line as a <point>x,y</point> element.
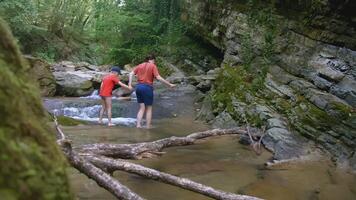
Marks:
<point>107,85</point>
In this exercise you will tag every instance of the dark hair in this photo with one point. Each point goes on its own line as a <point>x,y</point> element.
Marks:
<point>150,57</point>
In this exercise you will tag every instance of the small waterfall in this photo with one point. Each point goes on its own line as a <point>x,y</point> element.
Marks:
<point>94,95</point>
<point>91,114</point>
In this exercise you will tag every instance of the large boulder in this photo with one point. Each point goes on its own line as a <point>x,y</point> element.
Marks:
<point>32,166</point>
<point>41,72</point>
<point>73,84</point>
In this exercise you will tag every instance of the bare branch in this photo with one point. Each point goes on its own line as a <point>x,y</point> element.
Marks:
<point>140,150</point>
<point>165,178</point>
<point>99,176</point>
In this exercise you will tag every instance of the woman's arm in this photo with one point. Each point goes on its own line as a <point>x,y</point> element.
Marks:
<point>165,81</point>
<point>130,78</point>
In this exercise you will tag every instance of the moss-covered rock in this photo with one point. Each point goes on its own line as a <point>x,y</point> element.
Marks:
<point>32,166</point>
<point>40,72</point>
<point>67,121</point>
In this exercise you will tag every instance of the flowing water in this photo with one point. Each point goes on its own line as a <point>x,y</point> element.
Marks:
<point>220,162</point>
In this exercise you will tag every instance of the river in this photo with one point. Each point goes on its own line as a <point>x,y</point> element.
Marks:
<point>220,162</point>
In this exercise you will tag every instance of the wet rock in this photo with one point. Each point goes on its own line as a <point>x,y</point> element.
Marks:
<point>263,112</point>
<point>321,99</point>
<point>73,84</point>
<point>232,60</point>
<point>63,66</point>
<point>321,83</point>
<point>195,67</point>
<point>349,142</point>
<point>281,75</point>
<point>284,144</point>
<point>206,113</point>
<point>300,85</point>
<point>282,90</point>
<point>331,74</point>
<point>276,123</point>
<point>224,120</point>
<point>353,161</point>
<point>204,86</point>
<point>346,89</point>
<point>40,71</point>
<point>194,80</point>
<point>324,138</point>
<point>339,151</point>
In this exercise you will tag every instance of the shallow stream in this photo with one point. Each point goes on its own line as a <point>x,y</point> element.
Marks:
<point>220,162</point>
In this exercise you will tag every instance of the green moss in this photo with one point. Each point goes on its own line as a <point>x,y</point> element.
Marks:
<point>343,111</point>
<point>32,165</point>
<point>67,121</point>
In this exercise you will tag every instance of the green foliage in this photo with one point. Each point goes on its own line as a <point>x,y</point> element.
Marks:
<point>109,31</point>
<point>232,82</point>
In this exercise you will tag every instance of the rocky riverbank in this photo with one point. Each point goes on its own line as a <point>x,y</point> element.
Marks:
<point>67,78</point>
<point>305,73</point>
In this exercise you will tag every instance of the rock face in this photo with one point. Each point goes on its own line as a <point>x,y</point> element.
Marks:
<point>310,81</point>
<point>41,72</point>
<point>32,167</point>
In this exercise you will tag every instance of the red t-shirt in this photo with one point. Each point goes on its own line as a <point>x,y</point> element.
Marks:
<point>146,73</point>
<point>107,85</point>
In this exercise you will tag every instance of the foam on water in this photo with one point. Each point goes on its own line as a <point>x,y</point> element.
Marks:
<point>90,114</point>
<point>95,95</point>
<point>116,120</point>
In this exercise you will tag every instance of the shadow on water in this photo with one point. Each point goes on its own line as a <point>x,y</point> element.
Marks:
<point>220,162</point>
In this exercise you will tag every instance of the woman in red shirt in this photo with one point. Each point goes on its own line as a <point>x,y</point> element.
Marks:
<point>146,73</point>
<point>107,85</point>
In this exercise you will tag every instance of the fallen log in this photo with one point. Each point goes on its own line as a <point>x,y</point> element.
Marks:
<point>149,149</point>
<point>94,167</point>
<point>112,164</point>
<point>102,178</point>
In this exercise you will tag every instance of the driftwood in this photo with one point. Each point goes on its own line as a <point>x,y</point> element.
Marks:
<point>149,149</point>
<point>166,178</point>
<point>99,176</point>
<point>94,161</point>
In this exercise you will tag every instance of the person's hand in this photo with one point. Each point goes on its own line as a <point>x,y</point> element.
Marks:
<point>172,85</point>
<point>130,88</point>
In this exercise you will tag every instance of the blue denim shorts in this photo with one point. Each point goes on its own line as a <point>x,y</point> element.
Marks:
<point>144,93</point>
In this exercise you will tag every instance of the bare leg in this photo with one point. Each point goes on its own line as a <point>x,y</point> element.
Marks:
<point>140,114</point>
<point>108,109</point>
<point>148,116</point>
<point>102,110</point>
